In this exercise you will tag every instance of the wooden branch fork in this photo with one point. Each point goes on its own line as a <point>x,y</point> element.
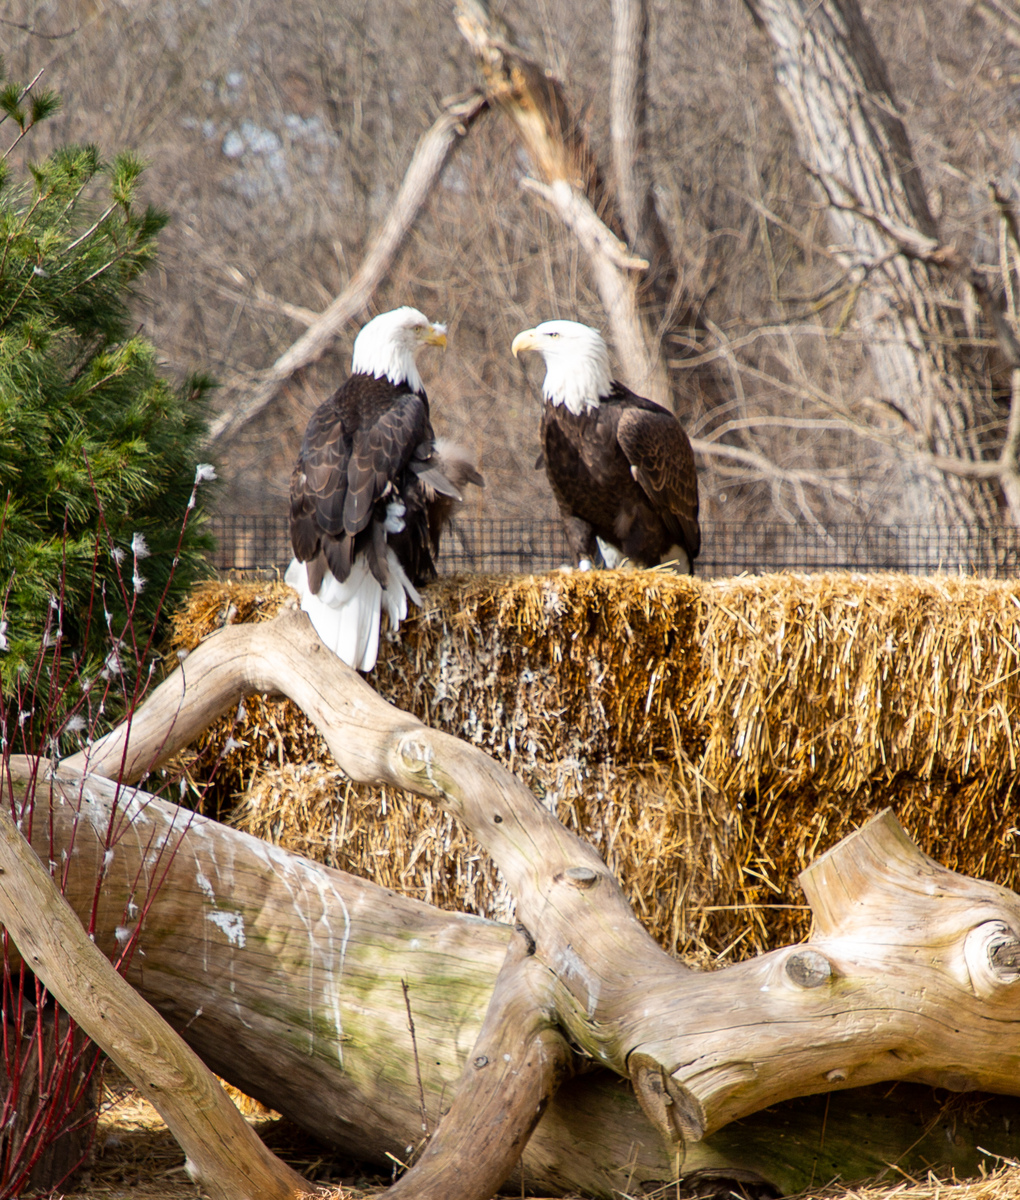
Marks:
<point>911,972</point>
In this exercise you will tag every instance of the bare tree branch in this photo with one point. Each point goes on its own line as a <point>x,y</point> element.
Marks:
<point>721,351</point>
<point>426,167</point>
<point>576,212</point>
<point>253,294</point>
<point>1005,20</point>
<point>767,469</point>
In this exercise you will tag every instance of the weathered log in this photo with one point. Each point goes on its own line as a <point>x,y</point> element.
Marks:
<point>286,977</point>
<point>893,986</point>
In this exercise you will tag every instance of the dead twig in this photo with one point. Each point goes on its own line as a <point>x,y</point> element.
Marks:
<point>417,1063</point>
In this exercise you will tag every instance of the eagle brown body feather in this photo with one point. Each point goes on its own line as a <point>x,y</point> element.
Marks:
<point>623,471</point>
<point>368,445</point>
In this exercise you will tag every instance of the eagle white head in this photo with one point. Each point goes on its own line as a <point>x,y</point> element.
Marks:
<point>576,363</point>
<point>387,345</point>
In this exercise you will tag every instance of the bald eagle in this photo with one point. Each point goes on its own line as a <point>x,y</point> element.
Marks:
<point>371,491</point>
<point>620,466</point>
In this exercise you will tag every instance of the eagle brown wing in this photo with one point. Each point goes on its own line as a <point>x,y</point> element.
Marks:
<point>379,453</point>
<point>318,485</point>
<point>662,463</point>
<point>355,447</point>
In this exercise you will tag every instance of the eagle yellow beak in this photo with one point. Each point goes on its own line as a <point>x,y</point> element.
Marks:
<point>435,335</point>
<point>525,340</point>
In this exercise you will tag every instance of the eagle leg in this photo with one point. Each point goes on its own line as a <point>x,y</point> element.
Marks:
<point>580,538</point>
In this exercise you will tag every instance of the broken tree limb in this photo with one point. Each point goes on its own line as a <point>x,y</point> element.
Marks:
<point>430,158</point>
<point>640,309</point>
<point>702,1049</point>
<point>576,212</point>
<point>224,1155</point>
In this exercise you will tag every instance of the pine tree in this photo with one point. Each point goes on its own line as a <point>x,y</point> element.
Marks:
<point>98,451</point>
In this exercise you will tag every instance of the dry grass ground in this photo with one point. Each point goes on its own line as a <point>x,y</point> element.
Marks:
<point>137,1159</point>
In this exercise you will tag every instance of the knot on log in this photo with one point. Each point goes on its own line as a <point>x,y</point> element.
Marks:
<point>529,942</point>
<point>417,757</point>
<point>808,968</point>
<point>580,877</point>
<point>1005,958</point>
<point>992,953</point>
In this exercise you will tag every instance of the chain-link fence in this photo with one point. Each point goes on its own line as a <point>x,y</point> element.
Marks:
<point>260,545</point>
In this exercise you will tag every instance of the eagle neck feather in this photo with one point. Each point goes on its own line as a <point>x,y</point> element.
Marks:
<point>577,384</point>
<point>386,359</point>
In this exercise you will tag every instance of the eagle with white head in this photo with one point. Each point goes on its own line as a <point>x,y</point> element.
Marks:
<point>620,467</point>
<point>371,491</point>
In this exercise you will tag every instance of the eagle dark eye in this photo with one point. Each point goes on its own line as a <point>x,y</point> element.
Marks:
<point>552,333</point>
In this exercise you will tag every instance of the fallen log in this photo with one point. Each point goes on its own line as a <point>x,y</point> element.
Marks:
<point>910,972</point>
<point>286,977</point>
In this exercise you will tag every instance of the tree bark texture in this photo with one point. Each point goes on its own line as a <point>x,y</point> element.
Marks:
<point>833,85</point>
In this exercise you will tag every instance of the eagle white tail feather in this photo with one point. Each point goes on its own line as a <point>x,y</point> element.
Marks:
<point>347,615</point>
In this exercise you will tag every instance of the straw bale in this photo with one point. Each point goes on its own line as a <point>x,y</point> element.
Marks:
<point>709,737</point>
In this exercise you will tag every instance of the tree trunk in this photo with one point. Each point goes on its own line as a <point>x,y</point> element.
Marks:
<point>833,85</point>
<point>310,950</point>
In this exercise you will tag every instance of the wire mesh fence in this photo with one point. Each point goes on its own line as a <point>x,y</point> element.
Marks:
<point>260,546</point>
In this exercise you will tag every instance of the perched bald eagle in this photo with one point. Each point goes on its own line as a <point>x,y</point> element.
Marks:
<point>620,466</point>
<point>371,491</point>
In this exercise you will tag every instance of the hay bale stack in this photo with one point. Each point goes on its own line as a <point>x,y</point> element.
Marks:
<point>709,737</point>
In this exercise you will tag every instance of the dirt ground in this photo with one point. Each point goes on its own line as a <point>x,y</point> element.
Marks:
<point>135,1157</point>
